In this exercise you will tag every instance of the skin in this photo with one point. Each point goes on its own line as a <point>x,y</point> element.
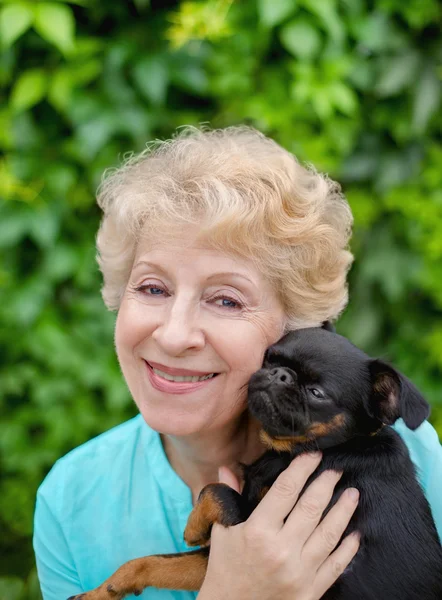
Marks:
<point>188,306</point>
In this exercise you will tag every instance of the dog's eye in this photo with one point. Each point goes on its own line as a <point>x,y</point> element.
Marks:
<point>316,392</point>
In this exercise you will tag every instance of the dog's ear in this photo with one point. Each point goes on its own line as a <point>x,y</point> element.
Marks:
<point>394,396</point>
<point>328,326</point>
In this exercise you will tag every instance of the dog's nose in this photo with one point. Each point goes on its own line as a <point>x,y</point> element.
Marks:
<point>280,375</point>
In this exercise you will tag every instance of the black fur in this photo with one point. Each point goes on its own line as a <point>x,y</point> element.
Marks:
<point>400,555</point>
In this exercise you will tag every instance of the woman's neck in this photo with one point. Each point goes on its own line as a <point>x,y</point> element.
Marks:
<point>197,458</point>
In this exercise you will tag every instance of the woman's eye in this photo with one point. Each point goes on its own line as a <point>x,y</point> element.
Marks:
<point>226,302</point>
<point>316,393</point>
<point>150,289</point>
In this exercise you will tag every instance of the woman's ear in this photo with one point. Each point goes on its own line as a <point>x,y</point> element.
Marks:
<point>394,396</point>
<point>328,326</point>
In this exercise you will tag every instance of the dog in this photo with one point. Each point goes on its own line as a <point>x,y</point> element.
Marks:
<point>314,391</point>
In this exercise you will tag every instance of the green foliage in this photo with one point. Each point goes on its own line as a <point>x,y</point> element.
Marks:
<point>352,87</point>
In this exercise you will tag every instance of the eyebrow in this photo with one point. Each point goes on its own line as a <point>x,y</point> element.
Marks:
<point>231,274</point>
<point>213,276</point>
<point>148,264</point>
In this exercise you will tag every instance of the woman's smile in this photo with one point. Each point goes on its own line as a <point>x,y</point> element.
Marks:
<point>176,384</point>
<point>175,373</point>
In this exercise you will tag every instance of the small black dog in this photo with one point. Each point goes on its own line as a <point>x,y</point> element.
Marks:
<point>318,391</point>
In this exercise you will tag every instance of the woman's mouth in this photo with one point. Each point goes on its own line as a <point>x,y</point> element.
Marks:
<point>181,377</point>
<point>174,383</point>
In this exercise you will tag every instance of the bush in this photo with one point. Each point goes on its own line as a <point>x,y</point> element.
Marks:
<point>352,87</point>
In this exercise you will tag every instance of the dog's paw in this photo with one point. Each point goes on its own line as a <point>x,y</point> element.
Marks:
<point>102,593</point>
<point>116,594</point>
<point>193,537</point>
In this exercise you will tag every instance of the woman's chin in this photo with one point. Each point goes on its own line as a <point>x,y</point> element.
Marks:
<point>173,423</point>
<point>201,419</point>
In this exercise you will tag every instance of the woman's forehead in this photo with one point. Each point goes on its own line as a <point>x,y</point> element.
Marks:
<point>190,248</point>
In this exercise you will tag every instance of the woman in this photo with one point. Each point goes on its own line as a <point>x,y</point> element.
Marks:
<point>212,245</point>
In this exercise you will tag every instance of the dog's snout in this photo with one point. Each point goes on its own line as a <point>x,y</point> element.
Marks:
<point>280,375</point>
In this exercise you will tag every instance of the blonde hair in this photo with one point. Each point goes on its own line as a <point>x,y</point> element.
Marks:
<point>246,195</point>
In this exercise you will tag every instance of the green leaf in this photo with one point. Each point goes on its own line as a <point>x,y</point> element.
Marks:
<point>61,263</point>
<point>28,301</point>
<point>397,73</point>
<point>322,104</point>
<point>378,33</point>
<point>11,587</point>
<point>15,19</point>
<point>92,135</point>
<point>140,4</point>
<point>29,89</point>
<point>343,98</point>
<point>274,12</point>
<point>33,586</point>
<point>301,39</point>
<point>326,11</point>
<point>44,226</point>
<point>426,100</point>
<point>151,76</point>
<point>14,224</point>
<point>86,72</point>
<point>55,23</point>
<point>191,77</point>
<point>60,89</point>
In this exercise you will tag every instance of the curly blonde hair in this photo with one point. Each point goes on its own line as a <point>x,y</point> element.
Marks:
<point>247,196</point>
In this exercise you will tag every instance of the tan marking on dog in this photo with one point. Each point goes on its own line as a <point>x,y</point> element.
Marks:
<point>174,572</point>
<point>263,492</point>
<point>316,430</point>
<point>206,511</point>
<point>184,572</point>
<point>388,390</point>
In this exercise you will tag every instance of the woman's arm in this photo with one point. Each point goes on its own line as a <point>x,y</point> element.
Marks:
<point>426,454</point>
<point>56,569</point>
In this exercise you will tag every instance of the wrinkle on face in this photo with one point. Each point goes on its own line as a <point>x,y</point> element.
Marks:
<point>227,341</point>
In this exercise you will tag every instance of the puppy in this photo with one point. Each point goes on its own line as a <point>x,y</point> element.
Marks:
<point>318,391</point>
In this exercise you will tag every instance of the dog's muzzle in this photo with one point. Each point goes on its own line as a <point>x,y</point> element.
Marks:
<point>282,376</point>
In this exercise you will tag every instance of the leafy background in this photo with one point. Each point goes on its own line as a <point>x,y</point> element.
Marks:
<point>352,86</point>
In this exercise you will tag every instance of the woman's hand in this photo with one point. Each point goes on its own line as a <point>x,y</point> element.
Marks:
<point>267,558</point>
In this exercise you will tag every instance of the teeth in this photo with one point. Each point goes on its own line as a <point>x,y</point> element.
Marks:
<point>192,378</point>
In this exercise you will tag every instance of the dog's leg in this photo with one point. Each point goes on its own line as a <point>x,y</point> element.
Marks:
<point>217,503</point>
<point>183,571</point>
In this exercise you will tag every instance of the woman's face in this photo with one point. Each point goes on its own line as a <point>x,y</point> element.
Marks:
<point>191,311</point>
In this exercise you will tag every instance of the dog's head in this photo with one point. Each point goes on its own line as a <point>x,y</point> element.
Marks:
<point>316,388</point>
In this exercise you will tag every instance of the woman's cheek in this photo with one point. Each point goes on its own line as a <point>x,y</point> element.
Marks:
<point>248,346</point>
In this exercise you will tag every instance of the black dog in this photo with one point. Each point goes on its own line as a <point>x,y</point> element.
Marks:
<point>318,391</point>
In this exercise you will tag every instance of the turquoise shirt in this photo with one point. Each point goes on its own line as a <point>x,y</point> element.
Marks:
<point>117,497</point>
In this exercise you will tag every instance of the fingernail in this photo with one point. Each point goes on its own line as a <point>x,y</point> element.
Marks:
<point>353,494</point>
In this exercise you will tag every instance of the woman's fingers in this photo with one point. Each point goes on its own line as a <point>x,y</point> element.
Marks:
<point>284,493</point>
<point>327,534</point>
<point>336,564</point>
<point>307,513</point>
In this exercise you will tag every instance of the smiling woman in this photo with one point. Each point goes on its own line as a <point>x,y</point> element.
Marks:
<point>212,245</point>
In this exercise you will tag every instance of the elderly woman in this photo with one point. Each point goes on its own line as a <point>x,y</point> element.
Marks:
<point>212,245</point>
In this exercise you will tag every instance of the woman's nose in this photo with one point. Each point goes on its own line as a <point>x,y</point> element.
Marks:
<point>179,331</point>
